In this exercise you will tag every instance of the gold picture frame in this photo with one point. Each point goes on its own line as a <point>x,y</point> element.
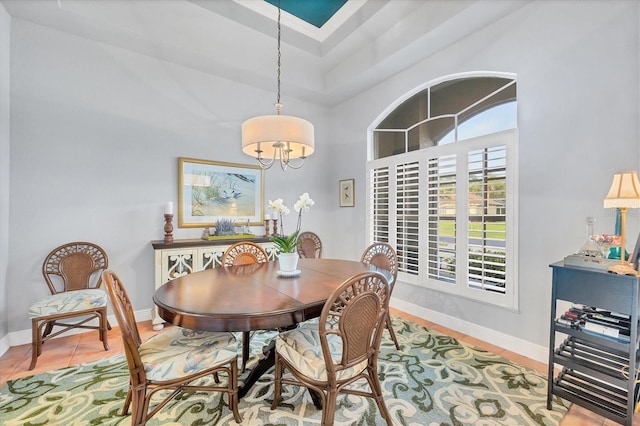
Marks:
<point>346,193</point>
<point>213,190</point>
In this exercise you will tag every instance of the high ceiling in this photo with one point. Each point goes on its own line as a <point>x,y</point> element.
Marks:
<point>314,12</point>
<point>364,42</point>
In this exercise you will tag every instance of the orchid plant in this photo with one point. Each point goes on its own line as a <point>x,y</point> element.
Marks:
<point>288,244</point>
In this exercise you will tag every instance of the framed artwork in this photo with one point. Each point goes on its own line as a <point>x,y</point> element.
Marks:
<point>212,190</point>
<point>346,194</point>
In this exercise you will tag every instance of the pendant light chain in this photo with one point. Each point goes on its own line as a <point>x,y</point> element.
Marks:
<point>278,105</point>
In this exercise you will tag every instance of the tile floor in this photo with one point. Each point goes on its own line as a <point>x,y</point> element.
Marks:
<point>71,350</point>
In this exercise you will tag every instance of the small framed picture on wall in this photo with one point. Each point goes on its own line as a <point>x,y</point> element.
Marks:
<point>346,193</point>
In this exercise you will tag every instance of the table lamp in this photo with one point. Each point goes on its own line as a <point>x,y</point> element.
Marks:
<point>623,194</point>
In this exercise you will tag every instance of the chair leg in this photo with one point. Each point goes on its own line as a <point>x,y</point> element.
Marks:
<point>392,333</point>
<point>277,378</point>
<point>233,391</point>
<point>376,389</point>
<point>103,328</point>
<point>127,403</point>
<point>138,407</point>
<point>329,407</point>
<point>48,329</point>
<point>36,343</point>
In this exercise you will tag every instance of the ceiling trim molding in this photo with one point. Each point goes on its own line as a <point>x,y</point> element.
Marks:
<point>319,34</point>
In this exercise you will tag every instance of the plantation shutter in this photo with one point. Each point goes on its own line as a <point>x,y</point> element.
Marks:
<point>407,217</point>
<point>487,213</point>
<point>441,218</point>
<point>379,205</point>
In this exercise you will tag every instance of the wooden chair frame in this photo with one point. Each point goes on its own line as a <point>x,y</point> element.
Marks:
<point>79,266</point>
<point>384,257</point>
<point>355,313</point>
<point>309,245</point>
<point>141,388</point>
<point>244,253</point>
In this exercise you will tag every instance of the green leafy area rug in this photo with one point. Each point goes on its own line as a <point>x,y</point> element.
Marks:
<point>434,380</point>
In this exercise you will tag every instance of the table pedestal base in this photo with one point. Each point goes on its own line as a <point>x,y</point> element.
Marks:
<point>264,364</point>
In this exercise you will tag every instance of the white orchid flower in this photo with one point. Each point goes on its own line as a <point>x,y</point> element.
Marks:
<point>304,203</point>
<point>278,205</point>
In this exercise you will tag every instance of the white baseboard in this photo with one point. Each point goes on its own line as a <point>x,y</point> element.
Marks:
<point>4,344</point>
<point>513,344</point>
<point>23,337</point>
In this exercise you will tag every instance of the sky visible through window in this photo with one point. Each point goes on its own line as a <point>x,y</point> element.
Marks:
<point>496,119</point>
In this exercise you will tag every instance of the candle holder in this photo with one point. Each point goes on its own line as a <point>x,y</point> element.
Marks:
<point>266,227</point>
<point>275,228</point>
<point>168,228</point>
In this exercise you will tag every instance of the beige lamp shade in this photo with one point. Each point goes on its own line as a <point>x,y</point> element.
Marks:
<point>624,191</point>
<point>260,134</point>
<point>623,194</point>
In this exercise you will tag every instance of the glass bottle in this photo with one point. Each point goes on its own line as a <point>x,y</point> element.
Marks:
<point>589,248</point>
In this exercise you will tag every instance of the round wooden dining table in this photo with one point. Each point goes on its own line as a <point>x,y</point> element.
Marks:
<point>254,297</point>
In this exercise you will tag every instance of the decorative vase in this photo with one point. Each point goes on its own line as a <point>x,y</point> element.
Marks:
<point>288,262</point>
<point>614,252</point>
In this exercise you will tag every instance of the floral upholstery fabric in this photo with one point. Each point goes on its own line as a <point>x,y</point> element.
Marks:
<point>70,301</point>
<point>179,351</point>
<point>301,348</point>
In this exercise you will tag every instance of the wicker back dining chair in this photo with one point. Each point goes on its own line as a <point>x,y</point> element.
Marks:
<point>384,257</point>
<point>244,253</point>
<point>341,348</point>
<point>309,245</point>
<point>171,360</point>
<point>72,272</point>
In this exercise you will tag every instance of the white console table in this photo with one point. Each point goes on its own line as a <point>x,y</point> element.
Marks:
<point>182,257</point>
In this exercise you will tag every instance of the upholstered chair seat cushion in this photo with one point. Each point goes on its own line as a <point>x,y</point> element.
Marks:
<point>301,348</point>
<point>179,351</point>
<point>70,301</point>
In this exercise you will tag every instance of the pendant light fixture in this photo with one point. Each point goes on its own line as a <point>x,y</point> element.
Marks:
<point>283,138</point>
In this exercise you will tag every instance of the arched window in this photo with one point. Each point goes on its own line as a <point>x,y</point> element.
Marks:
<point>442,186</point>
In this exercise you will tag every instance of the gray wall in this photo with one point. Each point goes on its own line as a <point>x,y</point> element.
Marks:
<point>96,132</point>
<point>5,25</point>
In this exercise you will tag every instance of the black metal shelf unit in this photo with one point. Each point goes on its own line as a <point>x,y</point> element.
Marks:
<point>598,372</point>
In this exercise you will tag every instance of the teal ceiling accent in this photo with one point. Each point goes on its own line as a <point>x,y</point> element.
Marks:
<point>315,12</point>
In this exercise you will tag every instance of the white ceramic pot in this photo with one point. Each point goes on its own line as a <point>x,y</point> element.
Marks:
<point>288,261</point>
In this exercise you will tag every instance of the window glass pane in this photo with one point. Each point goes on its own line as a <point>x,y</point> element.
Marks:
<point>408,113</point>
<point>440,104</point>
<point>428,134</point>
<point>453,96</point>
<point>492,120</point>
<point>386,144</point>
